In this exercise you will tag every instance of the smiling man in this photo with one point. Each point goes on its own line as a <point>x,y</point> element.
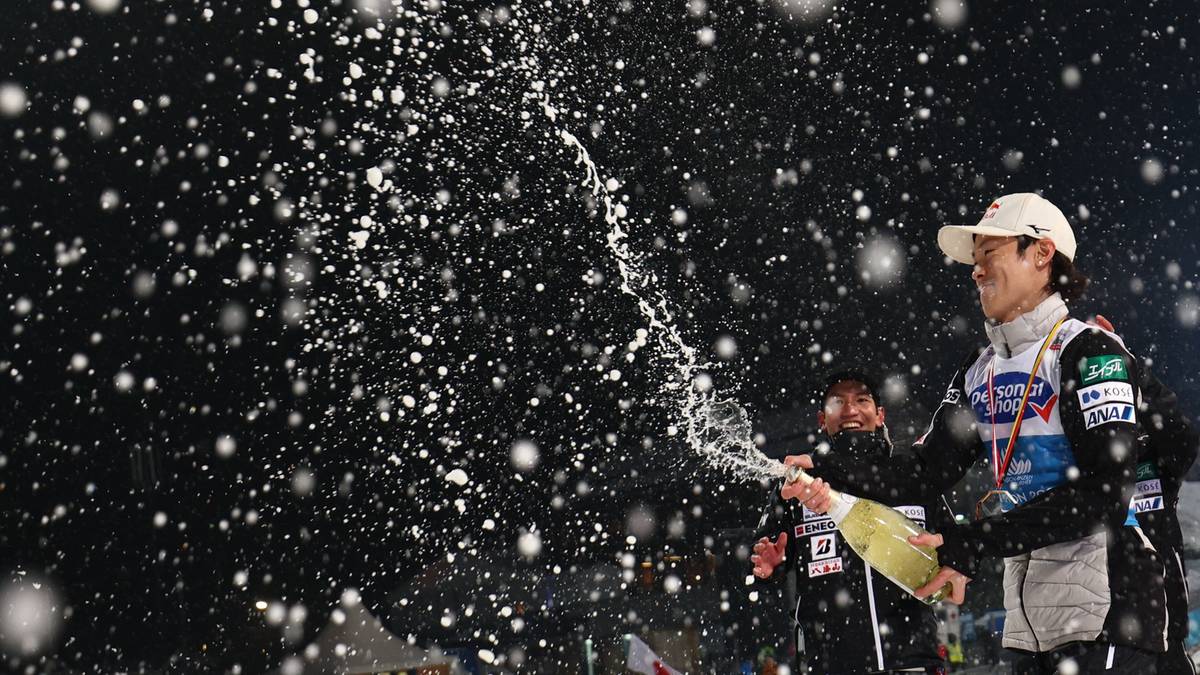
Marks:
<point>850,620</point>
<point>1052,403</point>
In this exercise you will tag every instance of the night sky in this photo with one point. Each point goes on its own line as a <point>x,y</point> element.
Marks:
<point>271,272</point>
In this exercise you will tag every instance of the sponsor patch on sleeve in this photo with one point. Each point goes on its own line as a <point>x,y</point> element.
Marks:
<point>916,513</point>
<point>1105,368</point>
<point>1152,486</point>
<point>823,546</point>
<point>1144,504</point>
<point>1105,392</point>
<point>1146,470</point>
<point>1113,412</point>
<point>822,567</point>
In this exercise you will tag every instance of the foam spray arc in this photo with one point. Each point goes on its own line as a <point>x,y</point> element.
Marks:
<point>716,428</point>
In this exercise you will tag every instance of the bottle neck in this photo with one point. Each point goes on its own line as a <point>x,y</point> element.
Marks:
<point>841,502</point>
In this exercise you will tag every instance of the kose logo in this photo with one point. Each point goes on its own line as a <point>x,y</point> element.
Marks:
<point>1105,392</point>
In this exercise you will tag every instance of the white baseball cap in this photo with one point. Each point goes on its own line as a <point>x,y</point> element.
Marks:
<point>1015,215</point>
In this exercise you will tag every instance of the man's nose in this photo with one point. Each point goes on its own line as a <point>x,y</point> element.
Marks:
<point>977,272</point>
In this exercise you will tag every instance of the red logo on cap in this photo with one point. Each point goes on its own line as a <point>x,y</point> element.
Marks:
<point>991,210</point>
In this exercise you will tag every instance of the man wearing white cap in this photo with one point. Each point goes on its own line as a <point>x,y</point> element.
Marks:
<point>1052,403</point>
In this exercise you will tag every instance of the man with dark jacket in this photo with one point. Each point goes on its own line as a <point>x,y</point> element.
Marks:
<point>853,621</point>
<point>1169,447</point>
<point>1052,404</point>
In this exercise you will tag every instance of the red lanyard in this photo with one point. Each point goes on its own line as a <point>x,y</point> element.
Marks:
<point>1001,468</point>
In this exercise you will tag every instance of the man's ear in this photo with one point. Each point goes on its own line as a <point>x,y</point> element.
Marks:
<point>821,418</point>
<point>882,414</point>
<point>1045,252</point>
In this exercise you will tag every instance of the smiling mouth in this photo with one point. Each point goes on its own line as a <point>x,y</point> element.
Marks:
<point>850,426</point>
<point>986,286</point>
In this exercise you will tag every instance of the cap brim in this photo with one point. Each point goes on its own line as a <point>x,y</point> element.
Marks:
<point>958,241</point>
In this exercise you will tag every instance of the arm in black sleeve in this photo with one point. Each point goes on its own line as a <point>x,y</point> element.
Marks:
<point>942,519</point>
<point>939,458</point>
<point>1169,432</point>
<point>776,520</point>
<point>1103,439</point>
<point>774,517</point>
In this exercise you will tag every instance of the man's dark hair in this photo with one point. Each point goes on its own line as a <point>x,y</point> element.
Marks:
<point>852,373</point>
<point>1065,279</point>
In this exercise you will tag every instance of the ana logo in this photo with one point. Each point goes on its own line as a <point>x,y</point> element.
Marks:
<point>1099,368</point>
<point>1147,504</point>
<point>1009,389</point>
<point>1113,412</point>
<point>823,546</point>
<point>1020,467</point>
<point>991,211</point>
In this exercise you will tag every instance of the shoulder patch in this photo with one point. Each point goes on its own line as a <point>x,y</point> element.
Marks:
<point>1146,471</point>
<point>1104,368</point>
<point>1113,412</point>
<point>1105,392</point>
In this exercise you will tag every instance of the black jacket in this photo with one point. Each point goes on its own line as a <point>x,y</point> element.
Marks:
<point>860,622</point>
<point>1168,449</point>
<point>1090,508</point>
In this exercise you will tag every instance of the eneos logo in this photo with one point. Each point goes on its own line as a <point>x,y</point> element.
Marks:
<point>1009,389</point>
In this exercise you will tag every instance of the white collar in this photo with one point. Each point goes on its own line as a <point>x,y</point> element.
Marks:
<point>1029,328</point>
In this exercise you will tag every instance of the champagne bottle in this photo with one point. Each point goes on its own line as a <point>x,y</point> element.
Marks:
<point>879,535</point>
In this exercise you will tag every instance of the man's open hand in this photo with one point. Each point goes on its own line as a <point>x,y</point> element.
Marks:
<point>767,556</point>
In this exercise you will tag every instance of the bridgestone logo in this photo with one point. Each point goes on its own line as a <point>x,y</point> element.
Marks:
<point>823,546</point>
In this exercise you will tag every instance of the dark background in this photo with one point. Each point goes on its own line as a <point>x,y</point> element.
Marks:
<point>220,303</point>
